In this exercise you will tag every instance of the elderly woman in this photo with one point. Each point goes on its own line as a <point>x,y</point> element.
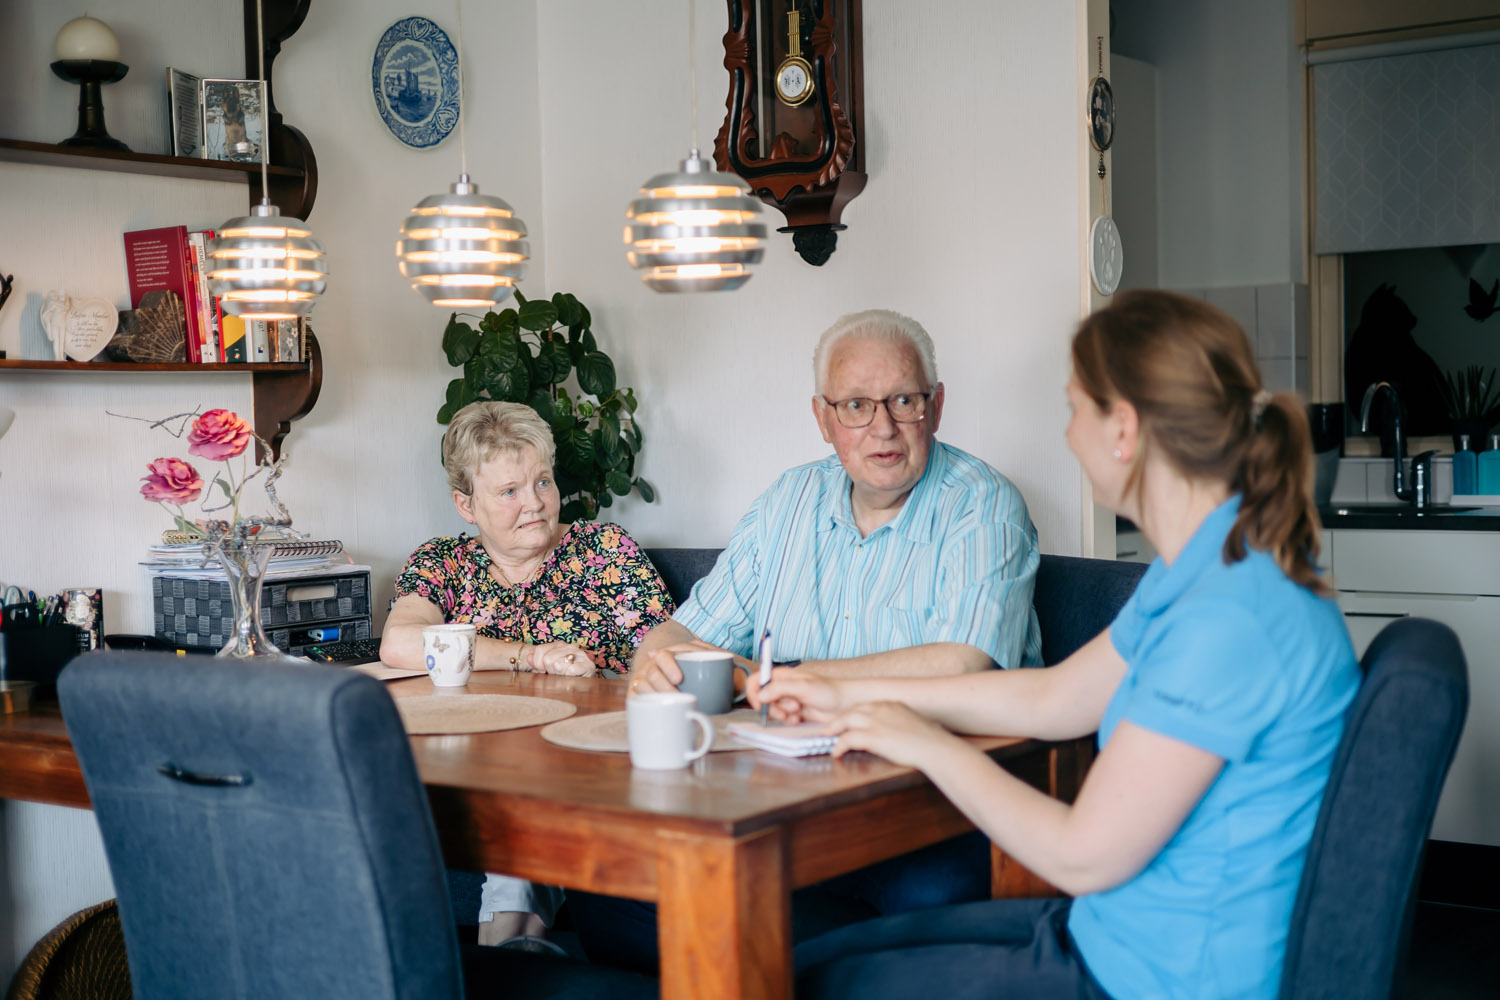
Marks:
<point>545,596</point>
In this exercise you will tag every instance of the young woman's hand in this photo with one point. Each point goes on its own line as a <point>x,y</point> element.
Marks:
<point>889,729</point>
<point>796,696</point>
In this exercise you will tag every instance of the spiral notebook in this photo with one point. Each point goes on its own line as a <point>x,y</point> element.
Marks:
<point>173,541</point>
<point>804,740</point>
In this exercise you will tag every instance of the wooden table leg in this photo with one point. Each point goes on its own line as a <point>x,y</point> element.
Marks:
<point>1067,765</point>
<point>724,917</point>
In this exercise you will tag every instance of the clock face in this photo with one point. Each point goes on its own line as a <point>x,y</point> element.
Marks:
<point>793,81</point>
<point>1106,255</point>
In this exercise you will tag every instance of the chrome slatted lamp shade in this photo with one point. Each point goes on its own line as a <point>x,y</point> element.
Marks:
<point>463,249</point>
<point>694,230</point>
<point>266,265</point>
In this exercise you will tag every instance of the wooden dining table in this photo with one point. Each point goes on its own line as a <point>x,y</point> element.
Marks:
<point>718,846</point>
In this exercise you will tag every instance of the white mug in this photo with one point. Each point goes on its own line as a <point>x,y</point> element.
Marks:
<point>448,651</point>
<point>660,730</point>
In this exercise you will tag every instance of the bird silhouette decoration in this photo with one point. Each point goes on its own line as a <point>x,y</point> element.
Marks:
<point>1481,304</point>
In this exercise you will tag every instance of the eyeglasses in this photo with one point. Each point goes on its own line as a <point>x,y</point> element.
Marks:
<point>859,411</point>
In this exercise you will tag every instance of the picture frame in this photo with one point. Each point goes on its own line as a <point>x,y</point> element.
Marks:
<point>184,116</point>
<point>233,116</point>
<point>1101,114</point>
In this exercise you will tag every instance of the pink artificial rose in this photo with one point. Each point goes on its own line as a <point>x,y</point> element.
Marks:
<point>172,481</point>
<point>218,434</point>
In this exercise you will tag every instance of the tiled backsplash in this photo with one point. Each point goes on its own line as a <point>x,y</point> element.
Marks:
<point>1369,480</point>
<point>1276,318</point>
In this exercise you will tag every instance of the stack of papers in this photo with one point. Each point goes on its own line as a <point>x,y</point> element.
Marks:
<point>805,740</point>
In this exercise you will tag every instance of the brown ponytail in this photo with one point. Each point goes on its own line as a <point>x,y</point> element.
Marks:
<point>1188,370</point>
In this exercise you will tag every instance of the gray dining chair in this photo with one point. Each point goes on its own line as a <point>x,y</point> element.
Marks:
<point>1352,918</point>
<point>269,836</point>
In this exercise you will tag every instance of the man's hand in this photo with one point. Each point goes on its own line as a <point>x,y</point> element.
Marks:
<point>797,696</point>
<point>657,669</point>
<point>890,729</point>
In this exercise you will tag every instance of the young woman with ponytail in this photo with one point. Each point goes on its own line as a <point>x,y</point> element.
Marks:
<point>1218,694</point>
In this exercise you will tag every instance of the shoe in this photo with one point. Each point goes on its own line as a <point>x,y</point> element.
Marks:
<point>538,945</point>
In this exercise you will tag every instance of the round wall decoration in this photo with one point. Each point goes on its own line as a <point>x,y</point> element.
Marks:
<point>415,79</point>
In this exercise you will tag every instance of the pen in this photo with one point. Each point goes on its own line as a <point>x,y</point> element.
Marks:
<point>765,669</point>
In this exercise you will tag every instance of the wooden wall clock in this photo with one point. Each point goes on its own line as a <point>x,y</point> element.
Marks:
<point>795,112</point>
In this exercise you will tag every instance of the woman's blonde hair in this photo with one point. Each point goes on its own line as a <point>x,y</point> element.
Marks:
<point>1188,370</point>
<point>483,430</point>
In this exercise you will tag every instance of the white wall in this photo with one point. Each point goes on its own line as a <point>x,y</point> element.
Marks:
<point>1229,155</point>
<point>970,223</point>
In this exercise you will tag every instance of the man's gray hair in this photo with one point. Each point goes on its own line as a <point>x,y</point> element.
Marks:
<point>484,430</point>
<point>875,324</point>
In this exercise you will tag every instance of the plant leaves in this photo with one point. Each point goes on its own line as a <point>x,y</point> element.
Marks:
<point>648,493</point>
<point>568,310</point>
<point>587,340</point>
<point>445,413</point>
<point>540,400</point>
<point>596,374</point>
<point>459,341</point>
<point>630,400</point>
<point>575,449</point>
<point>609,424</point>
<point>618,482</point>
<point>606,450</point>
<point>575,510</point>
<point>562,360</point>
<point>543,365</point>
<point>221,484</point>
<point>605,499</point>
<point>509,385</point>
<point>537,314</point>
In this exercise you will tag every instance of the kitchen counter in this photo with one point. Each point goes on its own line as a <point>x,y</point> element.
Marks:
<point>1404,517</point>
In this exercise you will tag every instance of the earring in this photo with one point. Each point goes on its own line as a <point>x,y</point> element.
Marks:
<point>1118,454</point>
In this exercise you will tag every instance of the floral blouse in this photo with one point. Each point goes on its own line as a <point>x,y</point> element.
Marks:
<point>596,590</point>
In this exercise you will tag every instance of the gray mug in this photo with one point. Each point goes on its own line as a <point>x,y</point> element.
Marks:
<point>709,677</point>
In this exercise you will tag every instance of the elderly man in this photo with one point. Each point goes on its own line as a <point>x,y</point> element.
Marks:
<point>898,556</point>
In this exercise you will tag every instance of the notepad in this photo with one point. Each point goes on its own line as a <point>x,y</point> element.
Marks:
<point>804,740</point>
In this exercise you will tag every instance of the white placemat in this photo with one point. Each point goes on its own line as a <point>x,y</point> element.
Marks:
<point>429,714</point>
<point>606,731</point>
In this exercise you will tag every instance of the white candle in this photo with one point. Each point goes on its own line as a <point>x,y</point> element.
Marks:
<point>87,38</point>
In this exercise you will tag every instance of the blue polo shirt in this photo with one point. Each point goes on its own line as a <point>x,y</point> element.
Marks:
<point>1240,661</point>
<point>957,563</point>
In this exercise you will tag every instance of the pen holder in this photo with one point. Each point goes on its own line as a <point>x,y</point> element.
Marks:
<point>37,654</point>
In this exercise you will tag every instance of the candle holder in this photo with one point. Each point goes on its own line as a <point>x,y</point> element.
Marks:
<point>89,74</point>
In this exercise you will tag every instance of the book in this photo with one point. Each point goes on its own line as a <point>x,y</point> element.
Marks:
<point>804,740</point>
<point>208,327</point>
<point>176,543</point>
<point>156,260</point>
<point>288,340</point>
<point>232,331</point>
<point>258,334</point>
<point>190,304</point>
<point>184,125</point>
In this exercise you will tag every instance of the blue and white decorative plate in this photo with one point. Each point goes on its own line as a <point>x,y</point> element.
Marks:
<point>415,79</point>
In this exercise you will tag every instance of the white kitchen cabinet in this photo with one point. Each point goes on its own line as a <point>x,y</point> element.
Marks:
<point>1383,576</point>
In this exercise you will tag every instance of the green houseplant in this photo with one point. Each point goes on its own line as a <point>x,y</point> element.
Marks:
<point>526,355</point>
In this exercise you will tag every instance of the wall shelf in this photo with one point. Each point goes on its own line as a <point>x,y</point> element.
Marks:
<point>49,155</point>
<point>284,391</point>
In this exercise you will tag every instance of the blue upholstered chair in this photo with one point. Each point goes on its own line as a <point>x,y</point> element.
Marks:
<point>1349,928</point>
<point>1076,599</point>
<point>268,836</point>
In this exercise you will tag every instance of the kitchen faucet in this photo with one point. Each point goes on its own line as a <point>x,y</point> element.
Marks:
<point>1398,483</point>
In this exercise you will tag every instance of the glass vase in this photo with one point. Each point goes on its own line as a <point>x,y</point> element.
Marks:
<point>245,568</point>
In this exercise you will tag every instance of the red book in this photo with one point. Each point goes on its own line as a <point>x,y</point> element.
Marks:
<point>157,259</point>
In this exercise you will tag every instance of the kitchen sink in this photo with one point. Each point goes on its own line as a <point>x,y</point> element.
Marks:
<point>1393,509</point>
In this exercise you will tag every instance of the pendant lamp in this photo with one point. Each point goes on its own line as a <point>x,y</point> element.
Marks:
<point>463,249</point>
<point>266,265</point>
<point>694,230</point>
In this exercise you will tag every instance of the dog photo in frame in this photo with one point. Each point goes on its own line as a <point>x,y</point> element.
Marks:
<point>234,124</point>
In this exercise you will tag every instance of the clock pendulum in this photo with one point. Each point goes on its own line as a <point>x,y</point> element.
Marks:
<point>794,77</point>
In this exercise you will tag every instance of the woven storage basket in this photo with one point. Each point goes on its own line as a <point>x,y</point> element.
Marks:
<point>82,958</point>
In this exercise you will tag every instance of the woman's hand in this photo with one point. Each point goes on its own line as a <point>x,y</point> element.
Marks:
<point>561,658</point>
<point>796,695</point>
<point>890,729</point>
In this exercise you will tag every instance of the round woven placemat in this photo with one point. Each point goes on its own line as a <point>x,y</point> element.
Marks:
<point>607,732</point>
<point>82,958</point>
<point>433,714</point>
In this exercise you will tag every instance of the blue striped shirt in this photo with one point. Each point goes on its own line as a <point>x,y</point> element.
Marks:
<point>957,563</point>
